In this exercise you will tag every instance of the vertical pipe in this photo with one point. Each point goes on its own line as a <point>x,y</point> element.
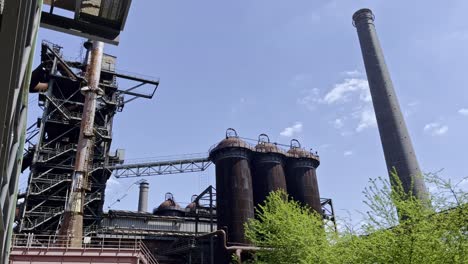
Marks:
<point>143,197</point>
<point>72,224</point>
<point>396,142</point>
<point>211,226</point>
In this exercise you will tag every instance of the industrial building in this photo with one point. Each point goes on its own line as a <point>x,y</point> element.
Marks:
<point>68,155</point>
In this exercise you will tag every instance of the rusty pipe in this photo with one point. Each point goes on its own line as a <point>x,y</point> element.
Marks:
<point>237,249</point>
<point>223,236</point>
<point>72,224</point>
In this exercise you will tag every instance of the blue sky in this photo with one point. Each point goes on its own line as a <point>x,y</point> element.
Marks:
<point>290,69</point>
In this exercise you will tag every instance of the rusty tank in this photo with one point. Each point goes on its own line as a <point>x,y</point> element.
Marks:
<point>233,185</point>
<point>301,177</point>
<point>169,207</point>
<point>268,169</point>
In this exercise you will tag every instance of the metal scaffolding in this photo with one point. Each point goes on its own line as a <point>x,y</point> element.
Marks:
<point>53,142</point>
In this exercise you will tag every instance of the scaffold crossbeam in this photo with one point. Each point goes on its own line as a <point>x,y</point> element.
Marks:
<point>162,167</point>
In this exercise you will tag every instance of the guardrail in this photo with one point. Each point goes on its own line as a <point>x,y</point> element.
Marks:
<point>53,242</point>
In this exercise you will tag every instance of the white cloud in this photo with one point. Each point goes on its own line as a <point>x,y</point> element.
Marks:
<point>411,108</point>
<point>354,73</point>
<point>366,119</point>
<point>338,123</point>
<point>341,91</point>
<point>463,111</point>
<point>310,99</point>
<point>348,153</point>
<point>435,129</point>
<point>357,88</point>
<point>292,130</point>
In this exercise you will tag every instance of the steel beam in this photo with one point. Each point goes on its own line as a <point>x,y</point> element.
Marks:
<point>160,167</point>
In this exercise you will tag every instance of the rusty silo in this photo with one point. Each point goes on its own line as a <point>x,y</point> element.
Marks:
<point>301,177</point>
<point>268,169</point>
<point>234,196</point>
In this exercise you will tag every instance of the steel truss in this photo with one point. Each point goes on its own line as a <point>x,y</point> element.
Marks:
<point>160,167</point>
<point>52,141</point>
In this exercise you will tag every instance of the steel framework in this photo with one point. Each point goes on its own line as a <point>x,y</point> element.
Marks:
<point>53,142</point>
<point>161,167</point>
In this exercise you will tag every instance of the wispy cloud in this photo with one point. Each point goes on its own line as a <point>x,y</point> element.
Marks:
<point>411,108</point>
<point>353,73</point>
<point>463,111</point>
<point>310,98</point>
<point>342,91</point>
<point>292,130</point>
<point>355,90</point>
<point>347,153</point>
<point>237,106</point>
<point>338,123</point>
<point>435,129</point>
<point>366,119</point>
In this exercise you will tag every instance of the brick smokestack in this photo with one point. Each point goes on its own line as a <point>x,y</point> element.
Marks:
<point>396,142</point>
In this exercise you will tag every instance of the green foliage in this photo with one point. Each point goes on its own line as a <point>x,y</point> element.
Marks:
<point>289,232</point>
<point>438,234</point>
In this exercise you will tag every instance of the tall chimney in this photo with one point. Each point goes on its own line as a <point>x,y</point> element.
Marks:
<point>396,142</point>
<point>143,198</point>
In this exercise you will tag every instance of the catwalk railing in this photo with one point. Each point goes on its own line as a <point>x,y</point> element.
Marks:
<point>89,243</point>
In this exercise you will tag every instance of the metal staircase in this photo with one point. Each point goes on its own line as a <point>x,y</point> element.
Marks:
<point>48,182</point>
<point>44,214</point>
<point>50,154</point>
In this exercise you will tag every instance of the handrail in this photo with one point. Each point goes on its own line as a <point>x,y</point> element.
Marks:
<point>102,243</point>
<point>146,252</point>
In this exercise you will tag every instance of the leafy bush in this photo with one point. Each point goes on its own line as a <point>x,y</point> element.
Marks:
<point>291,233</point>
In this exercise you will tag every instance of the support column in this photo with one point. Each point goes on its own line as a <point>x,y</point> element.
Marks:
<point>72,224</point>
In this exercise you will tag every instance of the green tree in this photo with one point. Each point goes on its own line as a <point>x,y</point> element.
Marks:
<point>290,233</point>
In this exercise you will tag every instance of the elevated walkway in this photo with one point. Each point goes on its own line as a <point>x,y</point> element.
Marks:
<point>28,248</point>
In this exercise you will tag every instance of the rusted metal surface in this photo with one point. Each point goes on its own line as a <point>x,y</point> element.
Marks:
<point>169,207</point>
<point>396,141</point>
<point>301,177</point>
<point>268,169</point>
<point>72,224</point>
<point>233,185</point>
<point>44,249</point>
